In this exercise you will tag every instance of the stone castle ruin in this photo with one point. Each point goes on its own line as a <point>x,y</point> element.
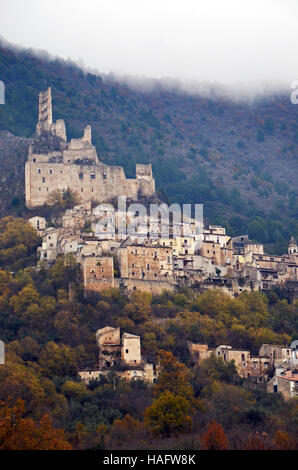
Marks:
<point>55,164</point>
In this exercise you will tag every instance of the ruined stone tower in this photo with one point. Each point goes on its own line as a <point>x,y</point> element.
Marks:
<point>55,164</point>
<point>45,118</point>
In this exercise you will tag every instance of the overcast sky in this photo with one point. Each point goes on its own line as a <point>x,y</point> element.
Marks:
<point>251,42</point>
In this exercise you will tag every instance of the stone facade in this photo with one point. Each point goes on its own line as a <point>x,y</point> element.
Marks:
<point>246,365</point>
<point>55,164</point>
<point>108,341</point>
<point>123,356</point>
<point>38,223</point>
<point>98,272</point>
<point>153,287</point>
<point>285,383</point>
<point>131,350</point>
<point>145,262</point>
<point>154,265</point>
<point>277,354</point>
<point>199,352</point>
<point>88,375</point>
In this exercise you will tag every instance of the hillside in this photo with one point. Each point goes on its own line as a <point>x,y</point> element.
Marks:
<point>51,339</point>
<point>239,159</point>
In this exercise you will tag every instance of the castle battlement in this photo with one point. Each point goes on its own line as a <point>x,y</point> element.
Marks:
<point>55,164</point>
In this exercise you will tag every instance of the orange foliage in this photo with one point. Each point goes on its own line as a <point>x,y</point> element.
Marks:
<point>19,433</point>
<point>126,430</point>
<point>257,442</point>
<point>214,438</point>
<point>283,441</point>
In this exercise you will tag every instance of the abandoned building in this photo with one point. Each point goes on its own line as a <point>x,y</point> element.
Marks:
<point>247,365</point>
<point>55,164</point>
<point>278,359</point>
<point>120,355</point>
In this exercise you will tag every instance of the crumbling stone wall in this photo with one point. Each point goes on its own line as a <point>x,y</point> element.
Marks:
<point>55,164</point>
<point>98,273</point>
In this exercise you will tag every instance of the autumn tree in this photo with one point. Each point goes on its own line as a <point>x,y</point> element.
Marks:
<point>20,433</point>
<point>214,438</point>
<point>169,415</point>
<point>18,243</point>
<point>125,431</point>
<point>171,411</point>
<point>283,441</point>
<point>139,308</point>
<point>58,360</point>
<point>257,442</point>
<point>174,377</point>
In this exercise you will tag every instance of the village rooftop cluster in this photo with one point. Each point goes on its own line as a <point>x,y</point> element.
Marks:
<point>147,257</point>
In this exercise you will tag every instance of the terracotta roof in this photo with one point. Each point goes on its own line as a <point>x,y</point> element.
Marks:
<point>288,375</point>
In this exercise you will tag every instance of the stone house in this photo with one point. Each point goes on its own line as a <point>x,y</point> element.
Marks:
<point>109,349</point>
<point>123,356</point>
<point>246,365</point>
<point>284,382</point>
<point>49,249</point>
<point>216,234</point>
<point>143,262</point>
<point>199,352</point>
<point>38,223</point>
<point>219,255</point>
<point>98,273</point>
<point>180,246</point>
<point>276,354</point>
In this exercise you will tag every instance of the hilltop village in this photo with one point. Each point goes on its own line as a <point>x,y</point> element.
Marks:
<point>209,259</point>
<point>111,259</point>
